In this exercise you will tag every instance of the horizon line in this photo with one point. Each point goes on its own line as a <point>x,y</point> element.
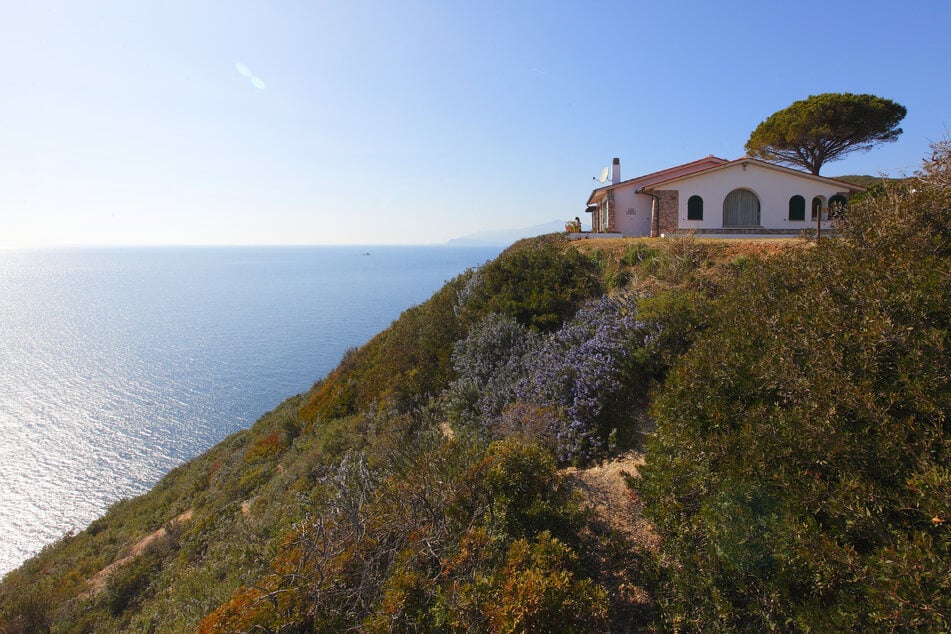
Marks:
<point>452,243</point>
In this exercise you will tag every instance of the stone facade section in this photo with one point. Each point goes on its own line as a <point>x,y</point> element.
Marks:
<point>611,206</point>
<point>669,206</point>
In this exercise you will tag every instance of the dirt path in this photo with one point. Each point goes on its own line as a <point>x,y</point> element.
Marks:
<point>621,538</point>
<point>612,501</point>
<point>97,582</point>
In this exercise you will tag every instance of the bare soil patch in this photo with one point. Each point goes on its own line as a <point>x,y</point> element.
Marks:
<point>607,494</point>
<point>97,582</point>
<point>621,539</point>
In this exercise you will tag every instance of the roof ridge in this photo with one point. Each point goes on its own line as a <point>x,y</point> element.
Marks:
<point>767,164</point>
<point>675,167</point>
<point>720,161</point>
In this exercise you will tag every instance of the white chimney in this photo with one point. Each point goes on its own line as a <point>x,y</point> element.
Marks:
<point>616,172</point>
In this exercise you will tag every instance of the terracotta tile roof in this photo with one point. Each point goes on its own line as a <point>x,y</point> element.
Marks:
<point>746,159</point>
<point>644,180</point>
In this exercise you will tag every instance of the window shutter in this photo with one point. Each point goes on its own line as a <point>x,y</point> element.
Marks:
<point>695,208</point>
<point>797,208</point>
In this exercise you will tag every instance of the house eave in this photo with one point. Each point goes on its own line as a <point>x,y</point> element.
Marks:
<point>751,161</point>
<point>651,176</point>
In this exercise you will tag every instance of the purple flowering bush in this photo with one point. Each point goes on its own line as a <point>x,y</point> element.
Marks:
<point>488,364</point>
<point>584,376</point>
<point>585,369</point>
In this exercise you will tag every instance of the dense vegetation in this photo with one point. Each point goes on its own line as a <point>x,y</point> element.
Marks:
<point>800,470</point>
<point>795,398</point>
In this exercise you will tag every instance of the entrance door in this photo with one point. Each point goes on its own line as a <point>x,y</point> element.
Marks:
<point>741,209</point>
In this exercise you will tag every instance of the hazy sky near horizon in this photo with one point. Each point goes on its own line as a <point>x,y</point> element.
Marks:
<point>311,122</point>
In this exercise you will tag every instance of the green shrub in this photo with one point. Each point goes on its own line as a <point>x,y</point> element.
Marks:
<point>407,596</point>
<point>539,283</point>
<point>641,255</point>
<point>740,262</point>
<point>537,590</point>
<point>128,584</point>
<point>802,442</point>
<point>26,613</point>
<point>527,494</point>
<point>615,273</point>
<point>670,321</point>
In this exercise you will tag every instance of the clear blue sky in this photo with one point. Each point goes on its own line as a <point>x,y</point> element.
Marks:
<point>200,122</point>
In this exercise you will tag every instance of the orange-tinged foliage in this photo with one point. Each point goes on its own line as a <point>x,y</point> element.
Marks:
<point>265,447</point>
<point>237,615</point>
<point>270,604</point>
<point>333,397</point>
<point>538,592</point>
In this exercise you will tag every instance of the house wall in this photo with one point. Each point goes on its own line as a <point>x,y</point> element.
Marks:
<point>632,212</point>
<point>773,188</point>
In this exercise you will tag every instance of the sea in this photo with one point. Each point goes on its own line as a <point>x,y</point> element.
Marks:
<point>118,364</point>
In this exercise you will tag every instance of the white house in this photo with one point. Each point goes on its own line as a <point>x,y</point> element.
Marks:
<point>716,197</point>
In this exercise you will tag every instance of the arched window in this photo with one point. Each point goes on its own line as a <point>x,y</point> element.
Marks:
<point>837,204</point>
<point>797,208</point>
<point>816,206</point>
<point>741,209</point>
<point>695,208</point>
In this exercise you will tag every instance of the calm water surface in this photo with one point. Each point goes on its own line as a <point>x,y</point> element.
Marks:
<point>118,364</point>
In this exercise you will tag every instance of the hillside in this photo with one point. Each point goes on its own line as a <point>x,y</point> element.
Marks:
<point>617,435</point>
<point>869,181</point>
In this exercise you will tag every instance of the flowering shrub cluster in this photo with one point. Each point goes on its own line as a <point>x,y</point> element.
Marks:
<point>490,346</point>
<point>583,371</point>
<point>488,363</point>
